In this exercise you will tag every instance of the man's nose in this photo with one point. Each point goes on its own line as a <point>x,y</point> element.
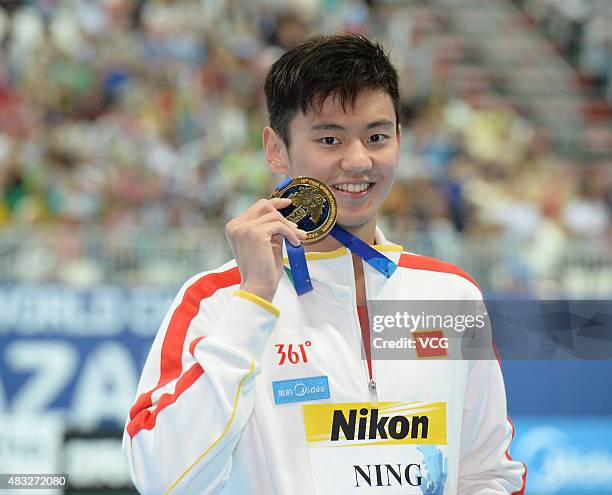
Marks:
<point>356,158</point>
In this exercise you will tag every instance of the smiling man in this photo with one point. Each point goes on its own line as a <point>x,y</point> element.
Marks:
<point>250,388</point>
<point>355,152</point>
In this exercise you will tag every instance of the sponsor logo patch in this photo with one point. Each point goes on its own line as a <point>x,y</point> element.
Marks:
<point>380,423</point>
<point>300,389</point>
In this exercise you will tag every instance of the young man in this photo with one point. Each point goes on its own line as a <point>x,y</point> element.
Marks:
<point>252,389</point>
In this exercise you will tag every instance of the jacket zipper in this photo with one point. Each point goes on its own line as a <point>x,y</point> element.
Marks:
<point>368,365</point>
<point>373,391</point>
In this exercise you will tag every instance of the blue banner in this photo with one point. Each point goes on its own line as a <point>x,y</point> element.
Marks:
<point>79,352</point>
<point>569,455</point>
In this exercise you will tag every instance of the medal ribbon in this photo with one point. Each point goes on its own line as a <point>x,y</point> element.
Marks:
<point>297,256</point>
<point>366,252</point>
<point>299,268</point>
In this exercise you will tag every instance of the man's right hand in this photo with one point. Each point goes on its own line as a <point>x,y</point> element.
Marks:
<point>256,239</point>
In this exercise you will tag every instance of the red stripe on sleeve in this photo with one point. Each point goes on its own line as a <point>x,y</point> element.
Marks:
<point>433,265</point>
<point>193,344</point>
<point>145,420</point>
<point>521,491</point>
<point>174,340</point>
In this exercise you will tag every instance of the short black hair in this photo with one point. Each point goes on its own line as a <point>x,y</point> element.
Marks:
<point>342,65</point>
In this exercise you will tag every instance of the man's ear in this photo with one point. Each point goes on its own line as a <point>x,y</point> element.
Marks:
<point>398,134</point>
<point>275,151</point>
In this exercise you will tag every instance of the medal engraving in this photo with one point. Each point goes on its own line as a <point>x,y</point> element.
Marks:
<point>313,206</point>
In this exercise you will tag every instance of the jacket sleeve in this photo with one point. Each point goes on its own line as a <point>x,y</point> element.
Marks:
<point>196,392</point>
<point>485,466</point>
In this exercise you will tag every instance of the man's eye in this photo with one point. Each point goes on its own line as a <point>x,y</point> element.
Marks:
<point>377,138</point>
<point>329,140</point>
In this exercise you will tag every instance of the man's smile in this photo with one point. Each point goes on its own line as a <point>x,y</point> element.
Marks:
<point>353,190</point>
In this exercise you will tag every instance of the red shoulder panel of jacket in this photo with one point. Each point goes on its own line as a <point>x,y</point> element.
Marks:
<point>418,262</point>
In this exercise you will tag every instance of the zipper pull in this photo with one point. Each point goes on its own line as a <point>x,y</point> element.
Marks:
<point>373,391</point>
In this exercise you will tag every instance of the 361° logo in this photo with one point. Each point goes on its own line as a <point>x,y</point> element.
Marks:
<point>288,353</point>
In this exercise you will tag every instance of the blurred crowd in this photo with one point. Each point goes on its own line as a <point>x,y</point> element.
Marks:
<point>581,30</point>
<point>129,113</point>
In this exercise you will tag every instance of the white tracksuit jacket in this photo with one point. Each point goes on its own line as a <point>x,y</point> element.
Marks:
<point>224,405</point>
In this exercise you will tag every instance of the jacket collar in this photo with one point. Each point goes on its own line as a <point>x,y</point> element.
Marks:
<point>380,244</point>
<point>333,268</point>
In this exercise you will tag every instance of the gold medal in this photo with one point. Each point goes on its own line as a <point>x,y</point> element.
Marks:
<point>313,206</point>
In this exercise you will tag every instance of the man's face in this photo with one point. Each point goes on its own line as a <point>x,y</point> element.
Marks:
<point>356,153</point>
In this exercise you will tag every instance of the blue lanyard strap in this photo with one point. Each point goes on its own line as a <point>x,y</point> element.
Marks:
<point>299,268</point>
<point>366,252</point>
